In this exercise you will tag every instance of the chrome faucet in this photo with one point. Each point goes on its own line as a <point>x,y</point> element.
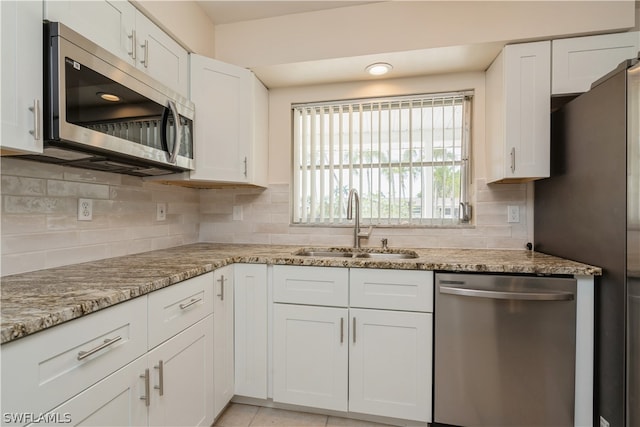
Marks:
<point>353,199</point>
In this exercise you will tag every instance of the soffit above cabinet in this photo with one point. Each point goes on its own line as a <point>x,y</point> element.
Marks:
<point>317,42</point>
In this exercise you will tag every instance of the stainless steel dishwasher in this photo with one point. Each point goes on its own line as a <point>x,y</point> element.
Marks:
<point>504,350</point>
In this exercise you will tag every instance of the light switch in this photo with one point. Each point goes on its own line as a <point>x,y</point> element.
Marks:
<point>161,211</point>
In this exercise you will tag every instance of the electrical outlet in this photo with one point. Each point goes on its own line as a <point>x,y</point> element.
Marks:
<point>85,209</point>
<point>603,422</point>
<point>161,211</point>
<point>513,214</point>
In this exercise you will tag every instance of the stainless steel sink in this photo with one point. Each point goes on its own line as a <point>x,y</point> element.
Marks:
<point>390,254</point>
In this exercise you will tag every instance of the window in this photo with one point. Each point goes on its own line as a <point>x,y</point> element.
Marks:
<point>407,157</point>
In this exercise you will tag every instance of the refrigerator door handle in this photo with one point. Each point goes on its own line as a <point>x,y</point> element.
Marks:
<point>522,296</point>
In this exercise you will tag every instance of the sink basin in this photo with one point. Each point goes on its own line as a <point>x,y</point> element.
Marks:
<point>389,254</point>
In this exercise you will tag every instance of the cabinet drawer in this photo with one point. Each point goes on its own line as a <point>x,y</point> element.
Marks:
<point>311,285</point>
<point>43,370</point>
<point>175,308</point>
<point>408,290</point>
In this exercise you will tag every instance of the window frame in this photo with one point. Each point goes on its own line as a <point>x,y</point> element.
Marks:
<point>397,104</point>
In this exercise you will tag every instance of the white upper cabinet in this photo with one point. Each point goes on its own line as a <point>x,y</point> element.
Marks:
<point>160,56</point>
<point>259,160</point>
<point>120,28</point>
<point>221,95</point>
<point>231,123</point>
<point>518,90</point>
<point>110,24</point>
<point>21,77</point>
<point>578,62</point>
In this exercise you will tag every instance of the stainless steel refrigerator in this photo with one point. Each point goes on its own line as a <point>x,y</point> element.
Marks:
<point>589,211</point>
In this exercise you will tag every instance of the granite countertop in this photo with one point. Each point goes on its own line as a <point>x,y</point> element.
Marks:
<point>31,302</point>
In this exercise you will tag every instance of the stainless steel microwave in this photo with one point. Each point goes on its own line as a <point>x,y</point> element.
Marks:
<point>102,113</point>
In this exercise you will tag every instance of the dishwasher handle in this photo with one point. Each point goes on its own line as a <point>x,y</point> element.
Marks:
<point>508,295</point>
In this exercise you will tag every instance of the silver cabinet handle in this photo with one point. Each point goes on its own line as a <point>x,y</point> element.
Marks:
<point>341,330</point>
<point>245,166</point>
<point>36,119</point>
<point>221,281</point>
<point>354,330</point>
<point>132,36</point>
<point>513,159</point>
<point>105,344</point>
<point>145,59</point>
<point>190,303</point>
<point>147,391</point>
<point>522,296</point>
<point>160,368</point>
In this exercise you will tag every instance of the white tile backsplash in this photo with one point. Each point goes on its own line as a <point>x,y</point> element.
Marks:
<point>267,220</point>
<point>39,215</point>
<point>40,227</point>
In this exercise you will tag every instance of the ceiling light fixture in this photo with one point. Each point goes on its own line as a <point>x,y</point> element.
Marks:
<point>108,96</point>
<point>378,69</point>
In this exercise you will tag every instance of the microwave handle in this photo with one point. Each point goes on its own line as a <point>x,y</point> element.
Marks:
<point>165,122</point>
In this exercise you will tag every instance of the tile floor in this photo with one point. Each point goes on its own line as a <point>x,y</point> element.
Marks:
<point>240,415</point>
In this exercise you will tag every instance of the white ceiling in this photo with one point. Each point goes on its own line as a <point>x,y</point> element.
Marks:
<point>405,63</point>
<point>227,12</point>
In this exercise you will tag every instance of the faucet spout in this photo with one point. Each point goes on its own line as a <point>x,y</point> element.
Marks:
<point>354,200</point>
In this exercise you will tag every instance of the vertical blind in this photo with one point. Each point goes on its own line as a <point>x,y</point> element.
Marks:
<point>408,158</point>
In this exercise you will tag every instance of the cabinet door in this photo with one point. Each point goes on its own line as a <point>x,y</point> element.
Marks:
<point>182,378</point>
<point>390,370</point>
<point>108,23</point>
<point>578,62</point>
<point>118,400</point>
<point>259,158</point>
<point>310,356</point>
<point>21,77</point>
<point>221,95</point>
<point>160,56</point>
<point>223,369</point>
<point>518,119</point>
<point>251,330</point>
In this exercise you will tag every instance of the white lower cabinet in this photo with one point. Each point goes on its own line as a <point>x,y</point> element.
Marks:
<point>374,360</point>
<point>310,356</point>
<point>170,386</point>
<point>181,378</point>
<point>43,370</point>
<point>390,363</point>
<point>223,363</point>
<point>144,362</point>
<point>251,330</point>
<point>114,401</point>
